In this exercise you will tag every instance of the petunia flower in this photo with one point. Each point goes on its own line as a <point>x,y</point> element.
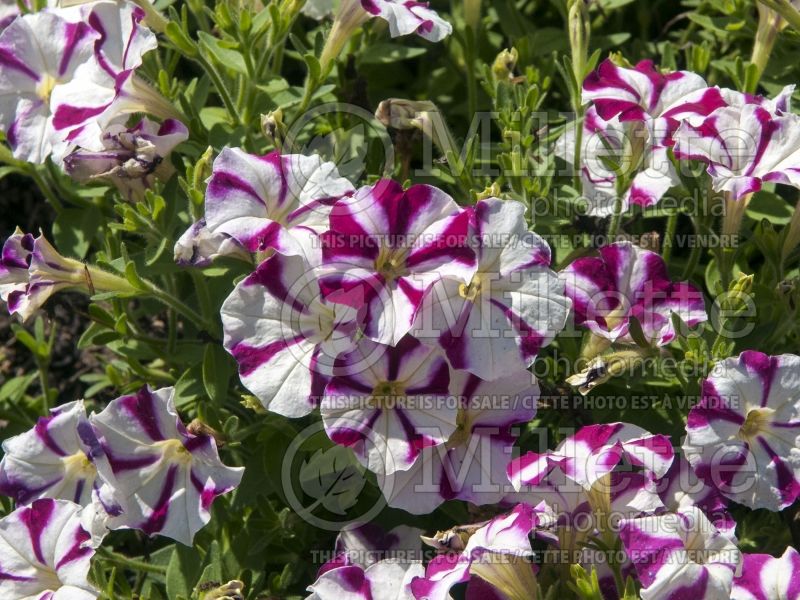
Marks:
<point>198,247</point>
<point>59,458</point>
<point>582,475</point>
<point>644,94</point>
<point>369,563</point>
<point>680,555</point>
<point>744,434</point>
<point>624,282</point>
<point>392,245</point>
<point>471,465</point>
<point>494,324</point>
<point>273,201</point>
<point>45,553</point>
<point>284,335</point>
<point>745,147</point>
<point>765,577</point>
<point>167,476</point>
<point>403,17</point>
<point>31,270</point>
<point>39,53</point>
<point>389,403</point>
<point>496,561</point>
<point>133,158</point>
<point>601,139</point>
<point>107,86</point>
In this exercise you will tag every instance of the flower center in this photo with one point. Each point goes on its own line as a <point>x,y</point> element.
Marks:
<point>386,393</point>
<point>463,431</point>
<point>472,290</point>
<point>78,466</point>
<point>45,87</point>
<point>48,579</point>
<point>756,421</point>
<point>391,263</point>
<point>174,451</point>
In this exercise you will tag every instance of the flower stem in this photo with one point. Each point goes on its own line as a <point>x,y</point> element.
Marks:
<point>130,563</point>
<point>669,233</point>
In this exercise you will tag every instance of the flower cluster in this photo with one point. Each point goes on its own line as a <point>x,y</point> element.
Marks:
<point>637,117</point>
<point>132,465</point>
<point>405,318</point>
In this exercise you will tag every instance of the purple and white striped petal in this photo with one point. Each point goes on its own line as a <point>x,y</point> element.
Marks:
<point>39,53</point>
<point>284,335</point>
<point>384,580</point>
<point>392,245</point>
<point>105,87</point>
<point>471,466</point>
<point>409,16</point>
<point>681,487</point>
<point>765,577</point>
<point>743,436</point>
<point>498,553</point>
<point>627,281</point>
<point>680,555</point>
<point>645,94</point>
<point>168,476</point>
<point>45,553</point>
<point>14,263</point>
<point>59,458</point>
<point>744,147</point>
<point>198,247</point>
<point>261,200</point>
<point>494,324</point>
<point>368,543</point>
<point>389,403</point>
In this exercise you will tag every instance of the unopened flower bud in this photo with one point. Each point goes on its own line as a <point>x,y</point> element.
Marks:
<point>504,64</point>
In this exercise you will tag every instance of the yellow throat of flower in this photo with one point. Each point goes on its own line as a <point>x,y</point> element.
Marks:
<point>756,421</point>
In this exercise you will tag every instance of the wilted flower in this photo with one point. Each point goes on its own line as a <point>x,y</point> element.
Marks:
<point>198,247</point>
<point>389,403</point>
<point>471,465</point>
<point>59,458</point>
<point>495,323</point>
<point>627,282</point>
<point>273,201</point>
<point>392,244</point>
<point>45,553</point>
<point>680,555</point>
<point>284,335</point>
<point>743,435</point>
<point>132,158</point>
<point>167,476</point>
<point>765,577</point>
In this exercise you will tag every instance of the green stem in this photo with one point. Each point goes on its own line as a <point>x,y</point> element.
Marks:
<point>616,217</point>
<point>181,307</point>
<point>669,233</point>
<point>130,563</point>
<point>44,186</point>
<point>216,79</point>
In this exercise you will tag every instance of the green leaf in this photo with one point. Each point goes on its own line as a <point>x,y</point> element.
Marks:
<point>225,57</point>
<point>333,478</point>
<point>183,571</point>
<point>769,206</point>
<point>217,371</point>
<point>381,54</point>
<point>74,229</point>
